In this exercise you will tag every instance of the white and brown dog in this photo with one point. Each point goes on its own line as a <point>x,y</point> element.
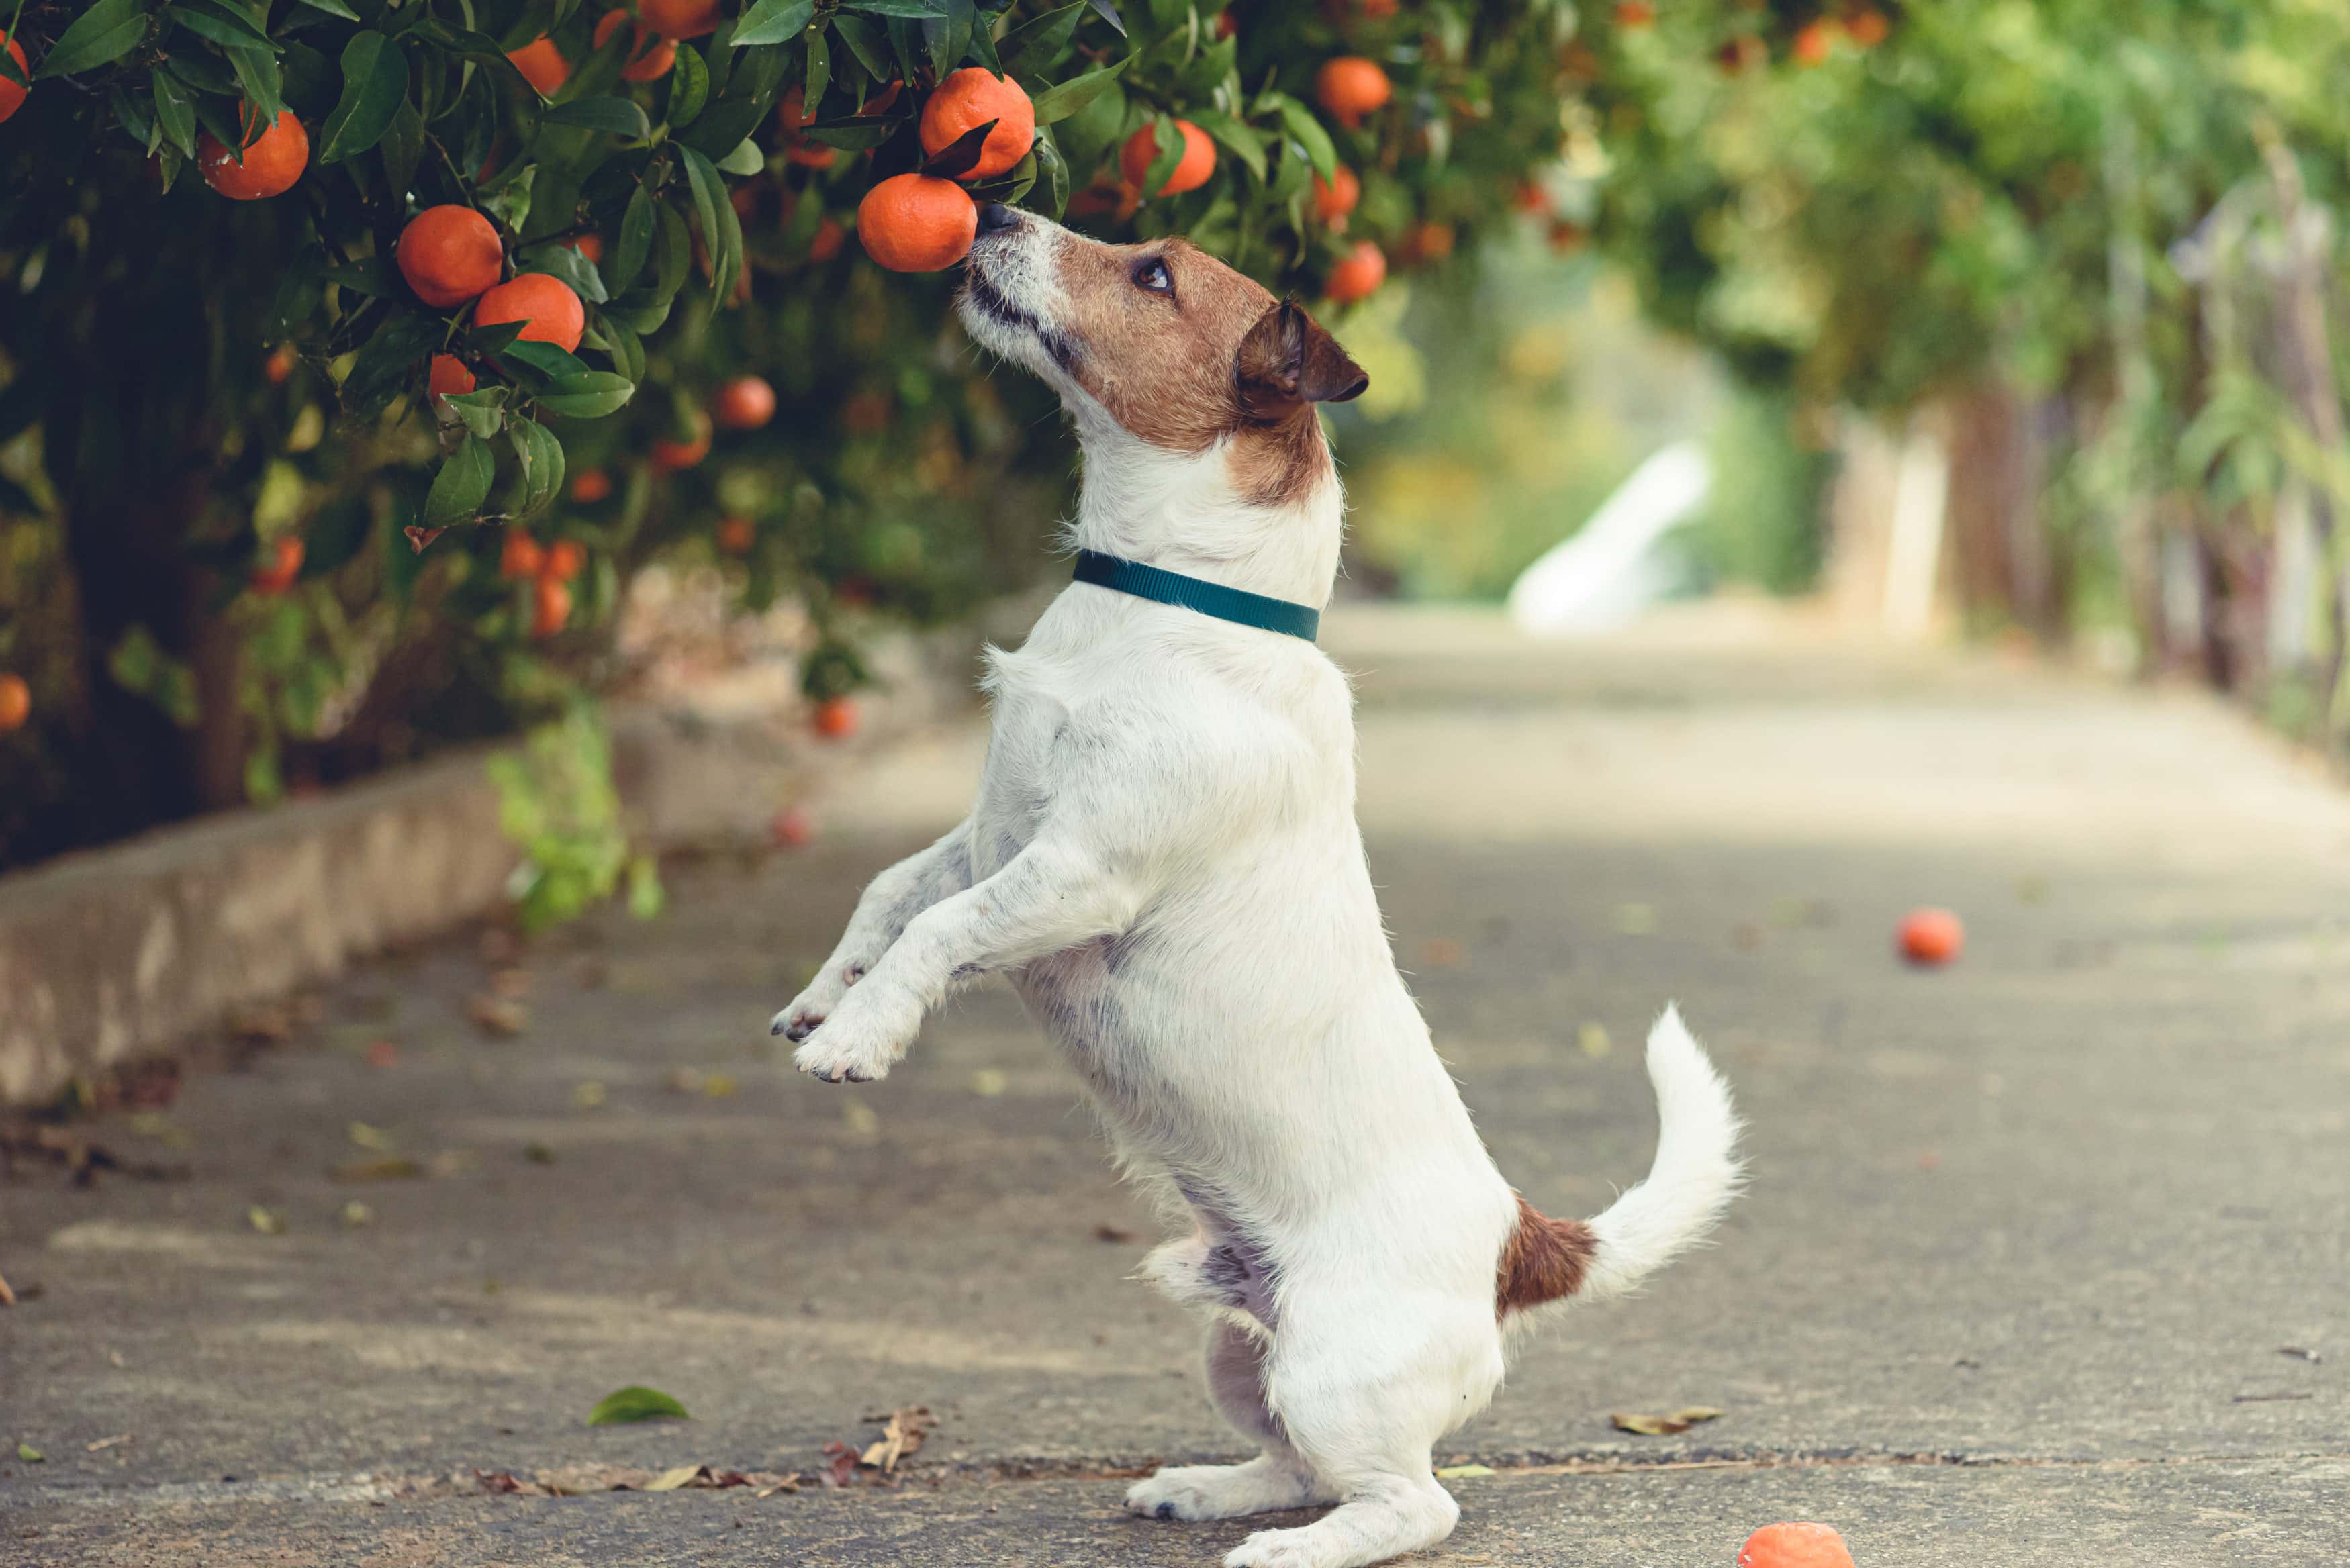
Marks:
<point>1163,859</point>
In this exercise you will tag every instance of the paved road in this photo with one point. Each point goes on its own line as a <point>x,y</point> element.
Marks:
<point>2025,1241</point>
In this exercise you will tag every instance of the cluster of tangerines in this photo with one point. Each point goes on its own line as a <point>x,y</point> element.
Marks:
<point>920,222</point>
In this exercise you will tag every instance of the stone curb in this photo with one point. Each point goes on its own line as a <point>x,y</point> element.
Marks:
<point>123,951</point>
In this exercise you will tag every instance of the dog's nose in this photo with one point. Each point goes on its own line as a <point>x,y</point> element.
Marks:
<point>994,216</point>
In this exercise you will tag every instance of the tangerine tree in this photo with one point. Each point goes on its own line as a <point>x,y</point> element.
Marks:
<point>356,354</point>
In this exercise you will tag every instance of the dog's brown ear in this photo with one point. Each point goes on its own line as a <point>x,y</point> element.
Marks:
<point>1287,361</point>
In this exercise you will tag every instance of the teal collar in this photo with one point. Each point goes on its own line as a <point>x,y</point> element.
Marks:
<point>1165,587</point>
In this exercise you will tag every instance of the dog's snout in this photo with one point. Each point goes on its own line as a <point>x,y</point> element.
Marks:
<point>994,216</point>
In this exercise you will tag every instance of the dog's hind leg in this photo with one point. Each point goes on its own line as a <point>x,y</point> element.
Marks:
<point>1363,1388</point>
<point>1276,1479</point>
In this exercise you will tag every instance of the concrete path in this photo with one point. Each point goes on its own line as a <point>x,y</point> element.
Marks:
<point>2026,1240</point>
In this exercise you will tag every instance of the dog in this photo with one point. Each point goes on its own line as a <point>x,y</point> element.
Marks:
<point>1164,861</point>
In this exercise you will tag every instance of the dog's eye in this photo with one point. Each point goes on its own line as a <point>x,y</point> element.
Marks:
<point>1152,275</point>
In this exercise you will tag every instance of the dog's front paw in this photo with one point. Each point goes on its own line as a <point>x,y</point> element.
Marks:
<point>805,1012</point>
<point>1221,1492</point>
<point>861,1041</point>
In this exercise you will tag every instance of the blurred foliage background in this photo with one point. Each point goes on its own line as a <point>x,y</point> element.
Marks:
<point>2080,258</point>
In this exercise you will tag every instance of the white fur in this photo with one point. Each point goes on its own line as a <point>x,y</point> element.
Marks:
<point>1163,859</point>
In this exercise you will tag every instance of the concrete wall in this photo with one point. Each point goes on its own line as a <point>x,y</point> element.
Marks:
<point>125,951</point>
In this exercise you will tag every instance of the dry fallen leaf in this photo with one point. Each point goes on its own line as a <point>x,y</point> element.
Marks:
<point>1664,1426</point>
<point>1117,1234</point>
<point>103,1444</point>
<point>393,1168</point>
<point>840,1465</point>
<point>8,1296</point>
<point>587,1095</point>
<point>685,1080</point>
<point>1441,953</point>
<point>1463,1472</point>
<point>268,1221</point>
<point>864,1126</point>
<point>902,1434</point>
<point>719,1086</point>
<point>496,1016</point>
<point>375,1138</point>
<point>989,1083</point>
<point>261,1027</point>
<point>1593,1039</point>
<point>669,1480</point>
<point>512,982</point>
<point>355,1214</point>
<point>2299,1351</point>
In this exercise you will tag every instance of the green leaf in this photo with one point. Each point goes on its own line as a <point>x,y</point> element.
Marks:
<point>541,456</point>
<point>634,1404</point>
<point>563,262</point>
<point>368,276</point>
<point>746,159</point>
<point>1062,99</point>
<point>674,256</point>
<point>627,348</point>
<point>869,43</point>
<point>688,87</point>
<point>382,364</point>
<point>589,395</point>
<point>1109,14</point>
<point>375,86</point>
<point>1036,45</point>
<point>403,147</point>
<point>99,36</point>
<point>816,77</point>
<point>132,113</point>
<point>773,21</point>
<point>545,358</point>
<point>855,135</point>
<point>464,481</point>
<point>221,25</point>
<point>636,238</point>
<point>1246,145</point>
<point>33,1455</point>
<point>482,410</point>
<point>175,110</point>
<point>709,197</point>
<point>333,8</point>
<point>1309,133</point>
<point>257,73</point>
<point>619,116</point>
<point>1055,169</point>
<point>920,10</point>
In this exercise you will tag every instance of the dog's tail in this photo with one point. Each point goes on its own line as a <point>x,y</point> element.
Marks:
<point>1694,1177</point>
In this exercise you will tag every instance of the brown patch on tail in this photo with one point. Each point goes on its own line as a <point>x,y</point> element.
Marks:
<point>1543,1260</point>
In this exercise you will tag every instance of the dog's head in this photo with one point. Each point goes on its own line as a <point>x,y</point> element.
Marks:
<point>1163,344</point>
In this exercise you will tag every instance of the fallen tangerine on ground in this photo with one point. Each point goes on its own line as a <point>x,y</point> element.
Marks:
<point>15,701</point>
<point>285,565</point>
<point>836,718</point>
<point>550,607</point>
<point>745,403</point>
<point>1351,86</point>
<point>917,223</point>
<point>1931,937</point>
<point>1335,198</point>
<point>1359,275</point>
<point>447,375</point>
<point>542,65</point>
<point>1191,171</point>
<point>670,454</point>
<point>680,18</point>
<point>566,559</point>
<point>650,57</point>
<point>735,535</point>
<point>12,97</point>
<point>1795,1546</point>
<point>552,313</point>
<point>968,99</point>
<point>590,486</point>
<point>273,161</point>
<point>448,255</point>
<point>521,557</point>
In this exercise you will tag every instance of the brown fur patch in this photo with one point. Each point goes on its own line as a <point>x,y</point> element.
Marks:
<point>1180,368</point>
<point>1543,1260</point>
